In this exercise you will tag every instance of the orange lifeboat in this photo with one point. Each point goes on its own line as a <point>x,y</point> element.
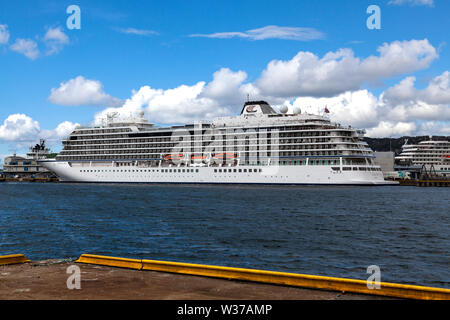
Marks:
<point>225,155</point>
<point>178,156</point>
<point>201,157</point>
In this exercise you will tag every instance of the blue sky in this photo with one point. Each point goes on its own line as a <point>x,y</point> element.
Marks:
<point>161,45</point>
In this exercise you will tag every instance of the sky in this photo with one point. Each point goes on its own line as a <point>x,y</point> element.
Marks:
<point>385,69</point>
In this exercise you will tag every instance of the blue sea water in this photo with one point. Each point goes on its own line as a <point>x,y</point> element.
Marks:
<point>322,230</point>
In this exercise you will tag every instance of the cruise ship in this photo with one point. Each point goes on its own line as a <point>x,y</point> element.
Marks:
<point>433,155</point>
<point>259,146</point>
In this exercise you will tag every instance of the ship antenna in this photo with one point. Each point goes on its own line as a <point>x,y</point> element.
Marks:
<point>248,97</point>
<point>111,116</point>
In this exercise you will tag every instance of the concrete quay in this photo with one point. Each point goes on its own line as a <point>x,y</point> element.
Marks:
<point>47,280</point>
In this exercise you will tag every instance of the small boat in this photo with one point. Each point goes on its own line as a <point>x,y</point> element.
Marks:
<point>178,156</point>
<point>201,157</point>
<point>225,156</point>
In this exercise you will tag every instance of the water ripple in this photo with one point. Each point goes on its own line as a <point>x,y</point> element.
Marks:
<point>330,231</point>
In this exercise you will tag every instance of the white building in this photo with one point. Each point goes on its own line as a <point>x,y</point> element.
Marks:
<point>386,162</point>
<point>16,166</point>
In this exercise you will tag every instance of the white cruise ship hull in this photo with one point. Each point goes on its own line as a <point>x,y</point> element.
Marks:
<point>321,175</point>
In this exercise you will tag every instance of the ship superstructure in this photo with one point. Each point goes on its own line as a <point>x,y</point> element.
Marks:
<point>432,155</point>
<point>29,166</point>
<point>258,146</point>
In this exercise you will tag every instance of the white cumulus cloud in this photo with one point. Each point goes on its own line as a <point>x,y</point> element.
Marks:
<point>21,131</point>
<point>55,39</point>
<point>82,92</point>
<point>223,96</point>
<point>438,91</point>
<point>388,129</point>
<point>27,47</point>
<point>225,86</point>
<point>62,131</point>
<point>305,81</point>
<point>19,127</point>
<point>4,34</point>
<point>401,109</point>
<point>356,108</point>
<point>179,105</point>
<point>434,127</point>
<point>432,100</point>
<point>306,74</point>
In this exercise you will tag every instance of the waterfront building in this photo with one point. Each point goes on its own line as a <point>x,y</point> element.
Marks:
<point>385,160</point>
<point>21,167</point>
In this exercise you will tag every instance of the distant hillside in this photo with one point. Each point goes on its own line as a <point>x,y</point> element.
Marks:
<point>395,144</point>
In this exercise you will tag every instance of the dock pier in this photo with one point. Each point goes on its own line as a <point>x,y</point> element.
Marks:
<point>28,179</point>
<point>114,278</point>
<point>434,182</point>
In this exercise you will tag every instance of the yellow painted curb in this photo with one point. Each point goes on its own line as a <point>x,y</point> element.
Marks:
<point>13,259</point>
<point>283,278</point>
<point>110,261</point>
